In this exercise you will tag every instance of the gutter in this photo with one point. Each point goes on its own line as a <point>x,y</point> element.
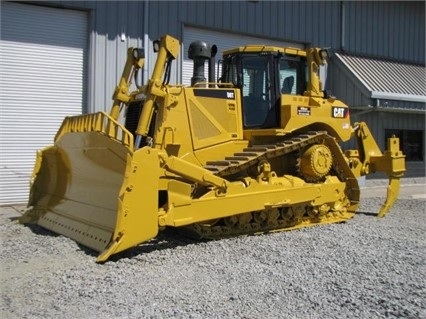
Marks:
<point>398,97</point>
<point>369,108</point>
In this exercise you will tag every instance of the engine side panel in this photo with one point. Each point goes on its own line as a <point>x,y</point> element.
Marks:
<point>214,116</point>
<point>317,114</point>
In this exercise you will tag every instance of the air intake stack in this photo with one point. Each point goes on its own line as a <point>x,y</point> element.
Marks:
<point>199,51</point>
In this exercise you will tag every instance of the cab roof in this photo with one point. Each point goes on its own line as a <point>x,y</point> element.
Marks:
<point>252,48</point>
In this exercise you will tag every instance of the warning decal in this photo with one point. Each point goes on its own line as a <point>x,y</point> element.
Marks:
<point>303,110</point>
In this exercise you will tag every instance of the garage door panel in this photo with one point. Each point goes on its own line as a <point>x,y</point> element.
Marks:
<point>42,58</point>
<point>223,41</point>
<point>33,24</point>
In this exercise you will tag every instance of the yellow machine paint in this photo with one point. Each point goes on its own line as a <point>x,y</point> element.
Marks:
<point>257,151</point>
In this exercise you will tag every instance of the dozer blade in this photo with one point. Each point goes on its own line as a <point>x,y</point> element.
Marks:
<point>95,190</point>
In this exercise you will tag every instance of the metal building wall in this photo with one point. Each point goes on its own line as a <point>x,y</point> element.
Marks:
<point>379,121</point>
<point>350,91</point>
<point>390,29</point>
<point>341,84</point>
<point>393,29</point>
<point>116,26</point>
<point>310,22</point>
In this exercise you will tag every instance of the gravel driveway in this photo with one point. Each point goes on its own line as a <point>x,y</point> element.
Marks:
<point>365,268</point>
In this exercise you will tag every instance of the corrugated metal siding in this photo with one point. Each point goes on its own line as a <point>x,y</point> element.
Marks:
<point>223,41</point>
<point>387,76</point>
<point>401,86</point>
<point>346,87</point>
<point>394,29</point>
<point>116,26</point>
<point>296,21</point>
<point>109,21</point>
<point>378,122</point>
<point>42,58</point>
<point>342,84</point>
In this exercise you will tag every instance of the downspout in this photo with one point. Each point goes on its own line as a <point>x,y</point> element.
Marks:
<point>145,73</point>
<point>342,25</point>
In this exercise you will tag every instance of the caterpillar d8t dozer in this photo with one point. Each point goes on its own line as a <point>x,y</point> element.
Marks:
<point>253,152</point>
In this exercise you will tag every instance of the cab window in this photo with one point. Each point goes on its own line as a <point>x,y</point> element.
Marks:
<point>256,89</point>
<point>292,77</point>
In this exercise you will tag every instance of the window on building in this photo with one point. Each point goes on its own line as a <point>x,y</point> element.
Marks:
<point>411,143</point>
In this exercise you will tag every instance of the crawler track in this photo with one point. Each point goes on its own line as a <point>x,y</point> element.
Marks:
<point>282,218</point>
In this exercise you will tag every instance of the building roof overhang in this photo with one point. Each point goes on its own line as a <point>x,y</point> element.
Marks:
<point>388,80</point>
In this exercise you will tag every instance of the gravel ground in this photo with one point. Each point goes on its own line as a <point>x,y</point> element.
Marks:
<point>365,268</point>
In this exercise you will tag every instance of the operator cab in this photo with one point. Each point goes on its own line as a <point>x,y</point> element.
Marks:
<point>263,74</point>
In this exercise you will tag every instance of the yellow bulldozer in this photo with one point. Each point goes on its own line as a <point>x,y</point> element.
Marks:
<point>254,150</point>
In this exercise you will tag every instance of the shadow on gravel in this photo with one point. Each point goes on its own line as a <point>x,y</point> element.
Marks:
<point>373,214</point>
<point>38,230</point>
<point>167,239</point>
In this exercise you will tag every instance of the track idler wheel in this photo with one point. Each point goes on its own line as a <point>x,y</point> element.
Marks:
<point>315,163</point>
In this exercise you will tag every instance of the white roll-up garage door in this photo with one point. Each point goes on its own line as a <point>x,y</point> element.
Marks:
<point>223,41</point>
<point>42,59</point>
